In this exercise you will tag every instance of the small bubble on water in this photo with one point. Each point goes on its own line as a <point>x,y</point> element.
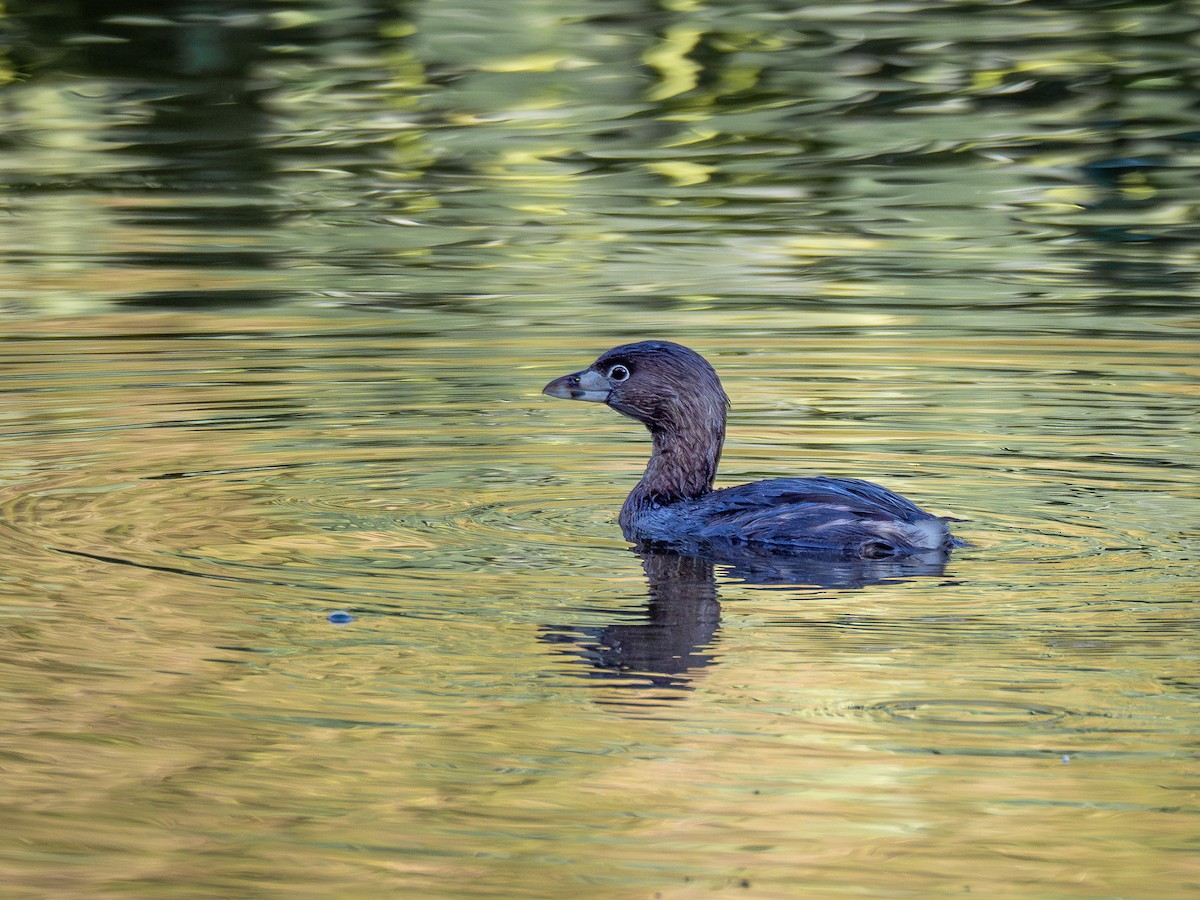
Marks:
<point>340,618</point>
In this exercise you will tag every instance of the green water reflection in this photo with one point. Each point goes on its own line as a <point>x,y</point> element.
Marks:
<point>424,151</point>
<point>281,286</point>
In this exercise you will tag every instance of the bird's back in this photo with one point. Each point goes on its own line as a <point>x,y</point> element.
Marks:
<point>834,515</point>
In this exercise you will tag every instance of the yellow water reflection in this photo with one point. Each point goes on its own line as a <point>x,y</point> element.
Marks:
<point>515,709</point>
<point>279,291</point>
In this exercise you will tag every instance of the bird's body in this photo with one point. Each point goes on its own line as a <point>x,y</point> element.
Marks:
<point>799,514</point>
<point>676,394</point>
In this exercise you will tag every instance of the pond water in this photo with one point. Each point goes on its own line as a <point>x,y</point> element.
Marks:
<point>305,589</point>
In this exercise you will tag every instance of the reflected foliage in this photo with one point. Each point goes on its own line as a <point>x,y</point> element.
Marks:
<point>280,284</point>
<point>750,151</point>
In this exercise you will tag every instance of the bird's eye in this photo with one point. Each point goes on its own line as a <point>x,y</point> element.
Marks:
<point>618,373</point>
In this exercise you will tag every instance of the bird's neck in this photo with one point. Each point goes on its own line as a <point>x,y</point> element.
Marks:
<point>682,465</point>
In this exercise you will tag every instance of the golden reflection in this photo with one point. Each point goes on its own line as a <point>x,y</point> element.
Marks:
<point>197,492</point>
<point>671,58</point>
<point>278,294</point>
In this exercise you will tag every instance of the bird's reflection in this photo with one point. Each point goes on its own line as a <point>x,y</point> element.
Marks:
<point>683,612</point>
<point>682,617</point>
<point>753,566</point>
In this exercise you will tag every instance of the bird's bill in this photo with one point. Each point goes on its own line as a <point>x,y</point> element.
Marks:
<point>588,385</point>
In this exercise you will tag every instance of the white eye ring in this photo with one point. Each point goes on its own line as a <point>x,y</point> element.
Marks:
<point>618,373</point>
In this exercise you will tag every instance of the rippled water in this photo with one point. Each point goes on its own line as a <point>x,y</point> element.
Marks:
<point>280,291</point>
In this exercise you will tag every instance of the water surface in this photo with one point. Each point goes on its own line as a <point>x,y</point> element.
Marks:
<point>280,291</point>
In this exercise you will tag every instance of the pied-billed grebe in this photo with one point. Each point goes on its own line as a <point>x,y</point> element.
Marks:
<point>675,393</point>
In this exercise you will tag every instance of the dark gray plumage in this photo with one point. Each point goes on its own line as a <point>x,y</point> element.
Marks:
<point>676,394</point>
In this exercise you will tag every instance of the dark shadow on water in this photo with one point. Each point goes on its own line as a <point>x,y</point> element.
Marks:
<point>683,611</point>
<point>682,617</point>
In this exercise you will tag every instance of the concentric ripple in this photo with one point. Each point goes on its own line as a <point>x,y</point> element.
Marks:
<point>969,713</point>
<point>327,524</point>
